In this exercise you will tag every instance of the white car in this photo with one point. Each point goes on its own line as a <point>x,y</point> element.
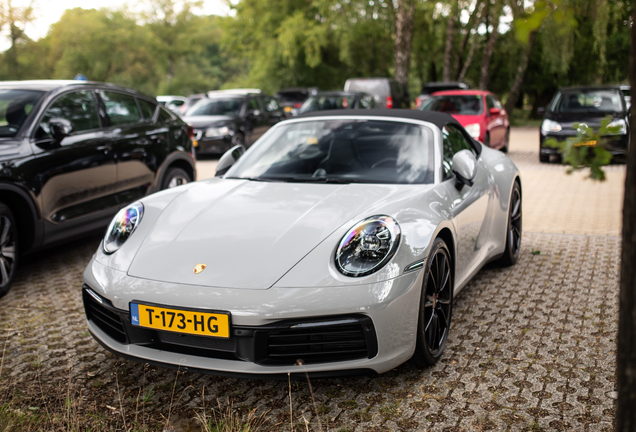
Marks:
<point>173,103</point>
<point>334,245</point>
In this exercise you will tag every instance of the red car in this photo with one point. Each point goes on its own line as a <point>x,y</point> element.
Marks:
<point>479,111</point>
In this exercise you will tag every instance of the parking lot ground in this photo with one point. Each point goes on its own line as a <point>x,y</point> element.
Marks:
<point>532,347</point>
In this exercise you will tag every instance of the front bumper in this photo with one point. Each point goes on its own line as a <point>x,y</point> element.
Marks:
<point>320,331</point>
<point>213,145</point>
<point>615,144</point>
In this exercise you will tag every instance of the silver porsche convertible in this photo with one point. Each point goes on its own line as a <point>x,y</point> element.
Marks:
<point>334,245</point>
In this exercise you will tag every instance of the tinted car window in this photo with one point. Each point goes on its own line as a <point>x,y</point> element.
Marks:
<point>77,107</point>
<point>121,108</point>
<point>490,102</point>
<point>253,104</point>
<point>460,104</point>
<point>216,106</point>
<point>587,101</point>
<point>15,106</point>
<point>147,108</point>
<point>453,141</point>
<point>292,96</point>
<point>327,102</point>
<point>165,116</point>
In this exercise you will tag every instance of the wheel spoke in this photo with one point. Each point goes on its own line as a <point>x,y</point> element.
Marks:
<point>517,231</point>
<point>441,266</point>
<point>442,317</point>
<point>6,226</point>
<point>429,302</point>
<point>9,252</point>
<point>432,332</point>
<point>432,279</point>
<point>3,272</point>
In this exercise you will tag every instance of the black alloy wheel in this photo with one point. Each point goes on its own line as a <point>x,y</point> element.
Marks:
<point>175,177</point>
<point>513,235</point>
<point>436,306</point>
<point>8,249</point>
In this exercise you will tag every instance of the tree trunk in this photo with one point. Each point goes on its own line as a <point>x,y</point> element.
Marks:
<point>521,72</point>
<point>626,349</point>
<point>469,60</point>
<point>458,65</point>
<point>490,46</point>
<point>450,38</point>
<point>403,38</point>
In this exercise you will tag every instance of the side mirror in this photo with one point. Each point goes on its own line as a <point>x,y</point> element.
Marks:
<point>228,159</point>
<point>464,165</point>
<point>60,128</point>
<point>541,110</point>
<point>494,111</point>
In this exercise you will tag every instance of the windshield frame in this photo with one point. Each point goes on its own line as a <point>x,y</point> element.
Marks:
<point>437,140</point>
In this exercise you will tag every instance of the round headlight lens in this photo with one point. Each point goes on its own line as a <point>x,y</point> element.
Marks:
<point>368,246</point>
<point>122,227</point>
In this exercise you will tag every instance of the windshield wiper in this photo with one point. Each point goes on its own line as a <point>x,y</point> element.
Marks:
<point>263,179</point>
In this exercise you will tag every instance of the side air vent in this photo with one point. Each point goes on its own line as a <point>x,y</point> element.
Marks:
<point>102,313</point>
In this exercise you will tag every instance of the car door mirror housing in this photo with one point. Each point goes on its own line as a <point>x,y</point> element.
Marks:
<point>494,111</point>
<point>60,128</point>
<point>464,165</point>
<point>228,159</point>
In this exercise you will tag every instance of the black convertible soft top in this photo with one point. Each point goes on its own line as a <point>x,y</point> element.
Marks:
<point>437,118</point>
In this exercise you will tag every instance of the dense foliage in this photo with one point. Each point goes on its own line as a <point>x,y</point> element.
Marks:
<point>171,49</point>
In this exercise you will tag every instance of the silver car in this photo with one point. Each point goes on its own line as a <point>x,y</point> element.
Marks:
<point>334,245</point>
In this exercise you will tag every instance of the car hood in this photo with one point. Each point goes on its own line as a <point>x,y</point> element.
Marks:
<point>203,121</point>
<point>593,120</point>
<point>247,233</point>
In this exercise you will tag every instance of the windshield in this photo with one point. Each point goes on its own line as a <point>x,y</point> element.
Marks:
<point>341,151</point>
<point>292,96</point>
<point>210,107</point>
<point>456,104</point>
<point>15,106</point>
<point>323,103</point>
<point>587,101</point>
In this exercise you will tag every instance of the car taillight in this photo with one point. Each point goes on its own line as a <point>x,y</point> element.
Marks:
<point>389,102</point>
<point>418,102</point>
<point>298,105</point>
<point>191,132</point>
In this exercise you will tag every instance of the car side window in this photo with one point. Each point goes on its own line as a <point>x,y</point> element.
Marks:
<point>364,102</point>
<point>453,141</point>
<point>77,107</point>
<point>253,105</point>
<point>164,116</point>
<point>147,109</point>
<point>121,108</point>
<point>496,102</point>
<point>490,102</point>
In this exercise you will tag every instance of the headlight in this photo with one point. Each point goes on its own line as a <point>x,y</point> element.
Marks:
<point>122,227</point>
<point>619,126</point>
<point>473,130</point>
<point>550,126</point>
<point>215,132</point>
<point>368,246</point>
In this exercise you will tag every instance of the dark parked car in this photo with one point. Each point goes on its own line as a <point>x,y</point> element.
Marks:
<point>435,86</point>
<point>585,107</point>
<point>74,152</point>
<point>292,98</point>
<point>228,118</point>
<point>324,101</point>
<point>387,92</point>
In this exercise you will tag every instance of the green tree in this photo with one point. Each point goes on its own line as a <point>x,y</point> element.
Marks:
<point>13,20</point>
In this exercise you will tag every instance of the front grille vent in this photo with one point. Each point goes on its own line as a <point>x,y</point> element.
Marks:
<point>329,342</point>
<point>107,320</point>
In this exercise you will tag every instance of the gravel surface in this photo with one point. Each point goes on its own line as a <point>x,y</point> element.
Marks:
<point>532,347</point>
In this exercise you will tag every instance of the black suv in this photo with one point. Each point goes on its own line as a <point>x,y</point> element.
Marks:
<point>231,117</point>
<point>585,107</point>
<point>72,153</point>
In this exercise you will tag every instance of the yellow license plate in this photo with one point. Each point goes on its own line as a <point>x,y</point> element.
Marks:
<point>195,322</point>
<point>586,143</point>
<point>287,109</point>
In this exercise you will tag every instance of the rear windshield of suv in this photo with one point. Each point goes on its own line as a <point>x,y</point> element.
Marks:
<point>15,106</point>
<point>371,86</point>
<point>587,101</point>
<point>292,96</point>
<point>458,104</point>
<point>211,107</point>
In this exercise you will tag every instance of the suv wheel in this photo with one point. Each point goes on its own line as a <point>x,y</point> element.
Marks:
<point>8,249</point>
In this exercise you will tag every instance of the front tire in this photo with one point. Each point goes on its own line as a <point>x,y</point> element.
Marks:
<point>175,177</point>
<point>436,306</point>
<point>504,149</point>
<point>513,233</point>
<point>8,249</point>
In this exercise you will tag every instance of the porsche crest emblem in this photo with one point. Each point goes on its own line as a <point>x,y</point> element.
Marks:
<point>199,268</point>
